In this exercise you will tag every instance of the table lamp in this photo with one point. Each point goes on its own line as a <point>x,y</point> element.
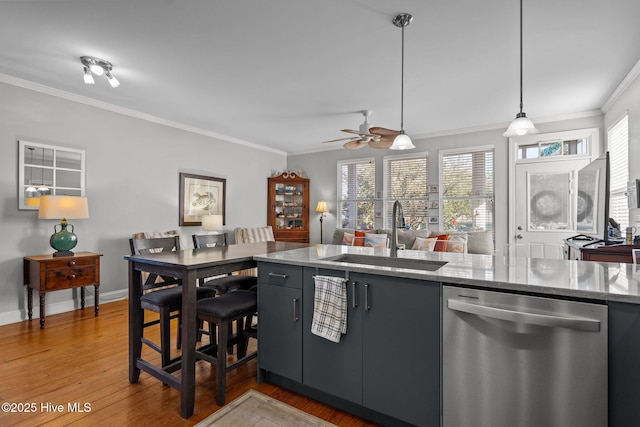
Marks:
<point>322,208</point>
<point>212,222</point>
<point>65,207</point>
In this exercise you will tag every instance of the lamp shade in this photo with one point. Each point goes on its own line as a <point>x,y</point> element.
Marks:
<point>68,207</point>
<point>212,222</point>
<point>520,126</point>
<point>402,142</point>
<point>322,207</point>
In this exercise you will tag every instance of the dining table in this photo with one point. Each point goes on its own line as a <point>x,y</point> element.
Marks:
<point>188,266</point>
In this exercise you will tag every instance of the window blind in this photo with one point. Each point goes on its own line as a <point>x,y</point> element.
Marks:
<point>618,143</point>
<point>406,180</point>
<point>356,192</point>
<point>467,190</point>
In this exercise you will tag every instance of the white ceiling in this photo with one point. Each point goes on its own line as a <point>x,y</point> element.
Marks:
<point>288,74</point>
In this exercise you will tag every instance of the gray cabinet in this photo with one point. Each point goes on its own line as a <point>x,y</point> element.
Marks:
<point>280,320</point>
<point>334,368</point>
<point>389,359</point>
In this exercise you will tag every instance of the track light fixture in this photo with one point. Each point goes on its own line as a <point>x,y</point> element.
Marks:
<point>98,67</point>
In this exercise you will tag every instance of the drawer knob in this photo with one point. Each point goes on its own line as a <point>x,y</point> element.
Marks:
<point>71,263</point>
<point>71,276</point>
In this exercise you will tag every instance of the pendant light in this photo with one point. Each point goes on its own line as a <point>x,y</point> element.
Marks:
<point>521,125</point>
<point>402,141</point>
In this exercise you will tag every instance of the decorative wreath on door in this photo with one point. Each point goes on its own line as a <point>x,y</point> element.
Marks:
<point>547,205</point>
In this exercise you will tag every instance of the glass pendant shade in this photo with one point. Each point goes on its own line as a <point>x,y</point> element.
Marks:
<point>520,126</point>
<point>402,142</point>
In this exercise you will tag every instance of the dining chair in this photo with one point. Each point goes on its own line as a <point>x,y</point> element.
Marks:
<point>162,294</point>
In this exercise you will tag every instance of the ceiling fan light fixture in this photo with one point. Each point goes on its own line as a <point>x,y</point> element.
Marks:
<point>521,125</point>
<point>402,142</point>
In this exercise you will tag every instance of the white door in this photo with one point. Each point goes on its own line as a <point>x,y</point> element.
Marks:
<point>545,201</point>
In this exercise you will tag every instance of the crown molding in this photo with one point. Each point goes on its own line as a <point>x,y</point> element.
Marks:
<point>623,86</point>
<point>36,87</point>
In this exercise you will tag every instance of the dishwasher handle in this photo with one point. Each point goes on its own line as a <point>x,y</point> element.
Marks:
<point>579,323</point>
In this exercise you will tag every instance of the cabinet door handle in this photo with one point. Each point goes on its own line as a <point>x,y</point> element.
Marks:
<point>71,276</point>
<point>295,310</point>
<point>278,275</point>
<point>367,307</point>
<point>354,295</point>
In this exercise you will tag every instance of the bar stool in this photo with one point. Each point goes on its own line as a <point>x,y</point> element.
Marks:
<point>163,295</point>
<point>221,312</point>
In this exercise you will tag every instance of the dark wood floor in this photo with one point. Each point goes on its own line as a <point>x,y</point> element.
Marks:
<point>81,359</point>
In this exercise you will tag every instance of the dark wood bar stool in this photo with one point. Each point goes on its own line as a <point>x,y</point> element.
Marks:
<point>163,295</point>
<point>221,312</point>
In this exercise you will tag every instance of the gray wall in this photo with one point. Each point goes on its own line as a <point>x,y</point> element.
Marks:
<point>320,167</point>
<point>629,102</point>
<point>132,186</point>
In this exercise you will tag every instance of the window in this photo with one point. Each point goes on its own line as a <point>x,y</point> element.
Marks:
<point>356,191</point>
<point>406,180</point>
<point>466,185</point>
<point>618,143</point>
<point>554,148</point>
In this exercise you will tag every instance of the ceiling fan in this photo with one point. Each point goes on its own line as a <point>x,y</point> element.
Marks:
<point>374,137</point>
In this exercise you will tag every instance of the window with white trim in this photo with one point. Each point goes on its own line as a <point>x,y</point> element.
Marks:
<point>406,179</point>
<point>356,193</point>
<point>467,189</point>
<point>618,146</point>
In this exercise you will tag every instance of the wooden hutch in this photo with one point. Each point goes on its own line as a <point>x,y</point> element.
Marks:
<point>288,207</point>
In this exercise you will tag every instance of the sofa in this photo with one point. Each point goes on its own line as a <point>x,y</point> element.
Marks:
<point>473,242</point>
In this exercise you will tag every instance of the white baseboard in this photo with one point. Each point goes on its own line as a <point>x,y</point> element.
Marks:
<point>20,315</point>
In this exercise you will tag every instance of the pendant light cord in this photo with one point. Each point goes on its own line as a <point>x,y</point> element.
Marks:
<point>520,56</point>
<point>402,84</point>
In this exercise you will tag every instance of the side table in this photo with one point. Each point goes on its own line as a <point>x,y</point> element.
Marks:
<point>45,273</point>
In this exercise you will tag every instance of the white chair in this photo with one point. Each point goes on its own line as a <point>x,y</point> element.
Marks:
<point>635,256</point>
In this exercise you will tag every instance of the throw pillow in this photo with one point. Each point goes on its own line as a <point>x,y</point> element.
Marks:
<point>373,240</point>
<point>347,239</point>
<point>424,244</point>
<point>441,244</point>
<point>457,243</point>
<point>480,242</point>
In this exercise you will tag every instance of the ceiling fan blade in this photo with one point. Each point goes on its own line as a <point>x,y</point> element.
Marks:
<point>383,131</point>
<point>381,143</point>
<point>340,139</point>
<point>354,145</point>
<point>357,132</point>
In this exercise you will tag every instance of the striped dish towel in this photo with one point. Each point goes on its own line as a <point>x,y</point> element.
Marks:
<point>329,308</point>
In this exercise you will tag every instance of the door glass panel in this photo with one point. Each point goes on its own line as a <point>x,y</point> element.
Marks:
<point>549,202</point>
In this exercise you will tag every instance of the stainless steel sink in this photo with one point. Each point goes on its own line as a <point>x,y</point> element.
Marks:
<point>382,261</point>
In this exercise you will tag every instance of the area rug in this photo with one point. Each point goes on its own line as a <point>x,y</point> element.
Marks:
<point>254,409</point>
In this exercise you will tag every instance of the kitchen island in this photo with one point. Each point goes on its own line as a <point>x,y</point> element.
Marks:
<point>388,366</point>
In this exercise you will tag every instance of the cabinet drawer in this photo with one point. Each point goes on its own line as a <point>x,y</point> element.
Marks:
<point>77,262</point>
<point>69,278</point>
<point>280,275</point>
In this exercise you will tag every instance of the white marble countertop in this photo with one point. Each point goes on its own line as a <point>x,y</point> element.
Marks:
<point>577,279</point>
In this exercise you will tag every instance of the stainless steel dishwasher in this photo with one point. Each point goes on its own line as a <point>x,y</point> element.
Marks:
<point>520,361</point>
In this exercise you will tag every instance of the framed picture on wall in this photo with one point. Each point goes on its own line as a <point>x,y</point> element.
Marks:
<point>201,195</point>
<point>433,189</point>
<point>433,220</point>
<point>434,204</point>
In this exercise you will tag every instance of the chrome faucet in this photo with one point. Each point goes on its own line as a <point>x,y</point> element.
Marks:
<point>397,222</point>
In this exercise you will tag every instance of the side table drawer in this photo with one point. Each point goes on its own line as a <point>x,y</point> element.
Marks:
<point>69,278</point>
<point>72,263</point>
